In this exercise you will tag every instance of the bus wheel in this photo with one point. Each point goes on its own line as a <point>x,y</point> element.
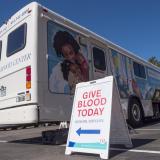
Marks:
<point>135,116</point>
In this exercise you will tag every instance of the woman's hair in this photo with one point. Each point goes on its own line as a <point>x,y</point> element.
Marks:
<point>61,38</point>
<point>65,67</point>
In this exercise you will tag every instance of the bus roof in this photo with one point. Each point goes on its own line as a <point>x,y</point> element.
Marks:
<point>89,33</point>
<point>28,8</point>
<point>16,18</point>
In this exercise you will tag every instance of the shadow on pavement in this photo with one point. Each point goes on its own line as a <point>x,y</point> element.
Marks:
<point>34,140</point>
<point>113,153</point>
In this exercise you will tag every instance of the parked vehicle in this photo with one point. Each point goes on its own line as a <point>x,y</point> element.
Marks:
<point>42,57</point>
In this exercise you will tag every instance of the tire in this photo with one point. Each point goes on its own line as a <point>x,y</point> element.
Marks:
<point>135,114</point>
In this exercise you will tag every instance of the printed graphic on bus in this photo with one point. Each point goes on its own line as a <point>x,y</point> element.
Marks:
<point>67,59</point>
<point>133,79</point>
<point>119,68</point>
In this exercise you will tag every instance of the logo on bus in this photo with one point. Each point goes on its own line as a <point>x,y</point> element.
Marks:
<point>2,91</point>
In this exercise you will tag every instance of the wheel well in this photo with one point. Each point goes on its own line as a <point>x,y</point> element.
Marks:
<point>138,100</point>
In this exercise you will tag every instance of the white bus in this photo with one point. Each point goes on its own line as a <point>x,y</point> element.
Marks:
<point>42,57</point>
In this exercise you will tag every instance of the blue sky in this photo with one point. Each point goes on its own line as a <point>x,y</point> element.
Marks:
<point>131,24</point>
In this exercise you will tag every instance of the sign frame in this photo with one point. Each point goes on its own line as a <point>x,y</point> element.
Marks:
<point>91,127</point>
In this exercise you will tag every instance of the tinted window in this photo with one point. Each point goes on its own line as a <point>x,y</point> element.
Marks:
<point>139,70</point>
<point>16,40</point>
<point>142,72</point>
<point>0,48</point>
<point>99,59</point>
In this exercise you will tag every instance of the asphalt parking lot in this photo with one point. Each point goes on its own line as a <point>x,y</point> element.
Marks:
<point>26,144</point>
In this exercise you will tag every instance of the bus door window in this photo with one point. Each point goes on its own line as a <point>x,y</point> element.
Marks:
<point>99,63</point>
<point>139,70</point>
<point>140,85</point>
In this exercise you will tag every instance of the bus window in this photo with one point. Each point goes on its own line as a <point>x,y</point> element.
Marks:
<point>0,49</point>
<point>99,59</point>
<point>139,70</point>
<point>16,40</point>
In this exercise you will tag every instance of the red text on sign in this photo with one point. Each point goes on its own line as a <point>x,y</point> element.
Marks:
<point>91,103</point>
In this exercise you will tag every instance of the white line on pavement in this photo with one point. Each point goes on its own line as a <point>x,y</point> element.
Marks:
<point>129,150</point>
<point>147,129</point>
<point>3,141</point>
<point>135,150</point>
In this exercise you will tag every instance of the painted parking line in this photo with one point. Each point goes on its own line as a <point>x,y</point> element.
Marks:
<point>136,150</point>
<point>3,141</point>
<point>129,150</point>
<point>147,129</point>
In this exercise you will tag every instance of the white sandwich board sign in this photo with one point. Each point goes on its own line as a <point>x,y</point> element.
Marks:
<point>91,127</point>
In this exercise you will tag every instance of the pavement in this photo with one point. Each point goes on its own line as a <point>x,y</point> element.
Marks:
<point>26,144</point>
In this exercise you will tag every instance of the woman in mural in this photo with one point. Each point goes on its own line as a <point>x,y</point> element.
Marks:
<point>67,47</point>
<point>71,73</point>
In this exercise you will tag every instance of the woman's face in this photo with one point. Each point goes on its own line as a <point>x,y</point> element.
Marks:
<point>68,52</point>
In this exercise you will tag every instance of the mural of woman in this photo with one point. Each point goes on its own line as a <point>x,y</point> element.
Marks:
<point>72,74</point>
<point>67,47</point>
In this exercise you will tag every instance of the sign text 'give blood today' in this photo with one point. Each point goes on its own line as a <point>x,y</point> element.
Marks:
<point>91,103</point>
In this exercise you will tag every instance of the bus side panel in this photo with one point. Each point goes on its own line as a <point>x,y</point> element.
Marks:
<point>15,99</point>
<point>13,86</point>
<point>18,103</point>
<point>19,115</point>
<point>153,82</point>
<point>119,68</point>
<point>55,92</point>
<point>57,108</point>
<point>128,84</point>
<point>144,88</point>
<point>122,71</point>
